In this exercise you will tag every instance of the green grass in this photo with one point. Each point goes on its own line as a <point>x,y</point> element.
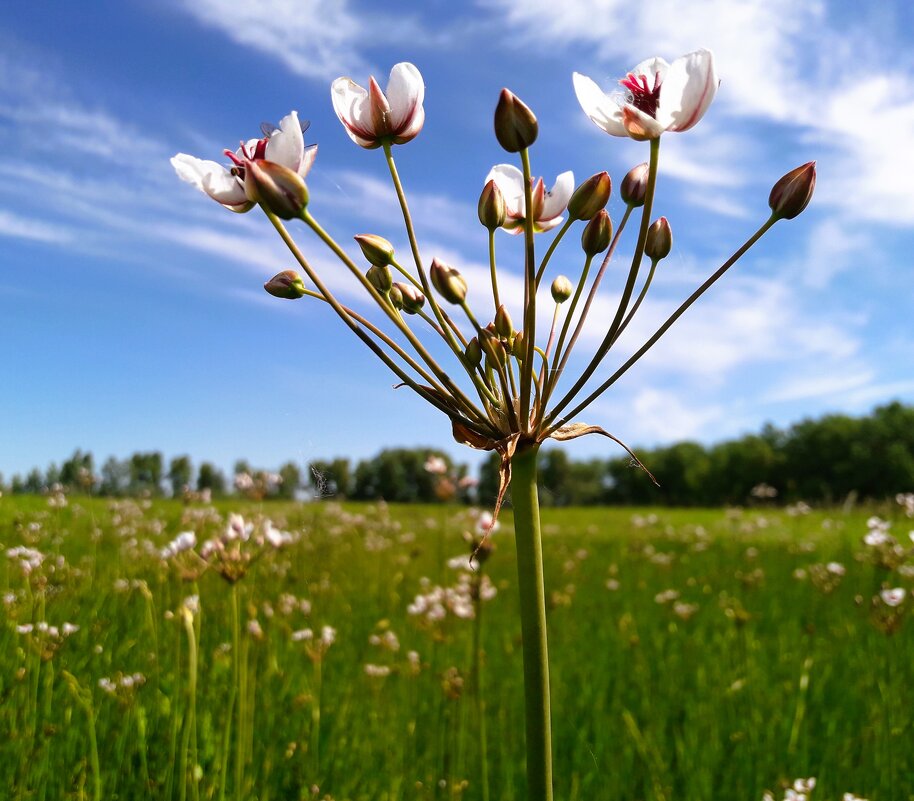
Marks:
<point>769,679</point>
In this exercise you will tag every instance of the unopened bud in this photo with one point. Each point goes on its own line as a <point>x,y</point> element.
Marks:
<point>659,240</point>
<point>493,348</point>
<point>590,197</point>
<point>380,278</point>
<point>473,352</point>
<point>492,213</point>
<point>518,350</point>
<point>634,186</point>
<point>448,282</point>
<point>597,233</point>
<point>561,289</point>
<point>288,284</point>
<point>376,249</point>
<point>516,127</point>
<point>503,326</point>
<point>396,297</point>
<point>411,299</point>
<point>792,193</point>
<point>278,189</point>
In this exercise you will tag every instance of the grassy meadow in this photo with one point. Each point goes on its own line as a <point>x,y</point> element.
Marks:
<point>696,654</point>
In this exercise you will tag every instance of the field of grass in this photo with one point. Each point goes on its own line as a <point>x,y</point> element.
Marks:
<point>696,654</point>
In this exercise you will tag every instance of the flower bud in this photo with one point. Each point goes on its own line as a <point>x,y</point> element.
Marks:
<point>493,348</point>
<point>634,186</point>
<point>473,352</point>
<point>792,193</point>
<point>659,240</point>
<point>492,213</point>
<point>597,233</point>
<point>515,124</point>
<point>561,289</point>
<point>412,299</point>
<point>288,284</point>
<point>503,326</point>
<point>448,281</point>
<point>396,297</point>
<point>380,278</point>
<point>518,349</point>
<point>590,197</point>
<point>278,189</point>
<point>376,249</point>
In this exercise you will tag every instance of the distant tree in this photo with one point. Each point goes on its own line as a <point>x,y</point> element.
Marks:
<point>399,475</point>
<point>290,473</point>
<point>487,491</point>
<point>78,472</point>
<point>209,477</point>
<point>34,482</point>
<point>17,485</point>
<point>180,475</point>
<point>146,473</point>
<point>52,475</point>
<point>115,477</point>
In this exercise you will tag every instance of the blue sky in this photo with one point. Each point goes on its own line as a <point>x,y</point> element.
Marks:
<point>131,306</point>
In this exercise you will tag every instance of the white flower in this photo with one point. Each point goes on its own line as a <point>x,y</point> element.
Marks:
<point>372,117</point>
<point>284,145</point>
<point>548,207</point>
<point>893,597</point>
<point>658,97</point>
<point>435,465</point>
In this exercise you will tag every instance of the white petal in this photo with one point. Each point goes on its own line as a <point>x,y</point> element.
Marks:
<point>600,107</point>
<point>548,225</point>
<point>212,178</point>
<point>307,160</point>
<point>651,67</point>
<point>286,146</point>
<point>510,181</point>
<point>405,93</point>
<point>640,126</point>
<point>350,102</point>
<point>557,198</point>
<point>687,90</point>
<point>411,130</point>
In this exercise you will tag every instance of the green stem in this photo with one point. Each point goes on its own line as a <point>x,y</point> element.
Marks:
<point>492,269</point>
<point>533,623</point>
<point>526,377</point>
<point>553,245</point>
<point>551,421</point>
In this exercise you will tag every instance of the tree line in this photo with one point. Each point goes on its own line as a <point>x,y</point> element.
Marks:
<point>826,460</point>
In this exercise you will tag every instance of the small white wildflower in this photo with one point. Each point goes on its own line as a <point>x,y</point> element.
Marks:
<point>893,597</point>
<point>376,671</point>
<point>836,568</point>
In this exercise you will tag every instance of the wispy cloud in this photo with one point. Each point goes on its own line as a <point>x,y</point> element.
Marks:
<point>17,227</point>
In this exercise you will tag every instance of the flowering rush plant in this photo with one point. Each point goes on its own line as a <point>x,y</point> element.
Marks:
<point>509,399</point>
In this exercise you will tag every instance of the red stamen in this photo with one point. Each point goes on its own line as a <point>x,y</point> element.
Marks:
<point>643,97</point>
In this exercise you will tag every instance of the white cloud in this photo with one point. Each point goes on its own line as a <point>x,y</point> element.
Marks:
<point>820,384</point>
<point>17,227</point>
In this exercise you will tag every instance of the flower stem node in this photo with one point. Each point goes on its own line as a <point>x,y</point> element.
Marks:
<point>473,352</point>
<point>288,285</point>
<point>516,127</point>
<point>659,241</point>
<point>590,197</point>
<point>380,278</point>
<point>278,189</point>
<point>412,299</point>
<point>597,233</point>
<point>492,211</point>
<point>561,289</point>
<point>503,325</point>
<point>792,193</point>
<point>634,186</point>
<point>449,283</point>
<point>376,249</point>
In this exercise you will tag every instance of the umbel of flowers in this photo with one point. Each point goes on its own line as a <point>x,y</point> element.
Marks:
<point>515,392</point>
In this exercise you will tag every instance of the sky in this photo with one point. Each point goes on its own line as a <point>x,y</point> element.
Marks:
<point>131,306</point>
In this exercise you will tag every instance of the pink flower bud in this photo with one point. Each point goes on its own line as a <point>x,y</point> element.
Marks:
<point>376,249</point>
<point>473,352</point>
<point>659,241</point>
<point>449,283</point>
<point>278,189</point>
<point>590,197</point>
<point>516,127</point>
<point>503,326</point>
<point>597,233</point>
<point>492,210</point>
<point>288,284</point>
<point>634,186</point>
<point>412,299</point>
<point>792,193</point>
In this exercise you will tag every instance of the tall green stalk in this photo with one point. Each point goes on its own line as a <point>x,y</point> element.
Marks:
<point>530,583</point>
